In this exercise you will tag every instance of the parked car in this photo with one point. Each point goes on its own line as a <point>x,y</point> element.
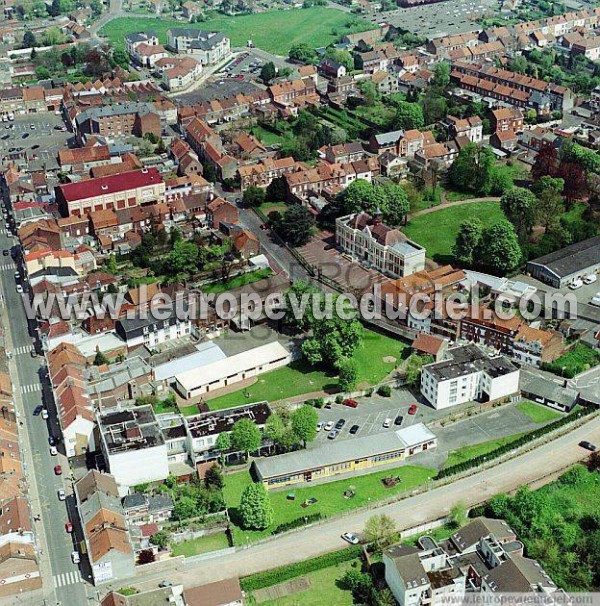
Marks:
<point>412,409</point>
<point>57,470</point>
<point>350,403</point>
<point>319,426</point>
<point>6,252</point>
<point>340,423</point>
<point>354,429</point>
<point>53,451</point>
<point>19,289</point>
<point>44,414</point>
<point>37,410</point>
<point>61,494</point>
<point>351,538</point>
<point>75,557</point>
<point>329,426</point>
<point>387,422</point>
<point>333,434</point>
<point>69,526</point>
<point>587,445</point>
<point>576,284</point>
<point>398,420</point>
<point>164,584</point>
<point>590,278</point>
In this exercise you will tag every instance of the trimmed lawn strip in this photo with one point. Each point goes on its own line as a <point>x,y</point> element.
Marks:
<point>476,450</point>
<point>212,542</point>
<point>300,377</point>
<point>237,281</point>
<point>437,231</point>
<point>274,31</point>
<point>329,495</point>
<point>538,413</point>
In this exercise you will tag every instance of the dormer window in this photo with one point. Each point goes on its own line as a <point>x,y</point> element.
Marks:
<point>104,187</point>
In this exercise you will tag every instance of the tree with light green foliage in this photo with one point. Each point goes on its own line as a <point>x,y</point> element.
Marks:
<point>255,508</point>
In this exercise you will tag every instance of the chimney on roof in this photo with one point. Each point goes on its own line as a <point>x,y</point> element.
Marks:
<point>377,216</point>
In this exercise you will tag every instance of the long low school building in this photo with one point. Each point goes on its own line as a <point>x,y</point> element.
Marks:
<point>222,373</point>
<point>344,456</point>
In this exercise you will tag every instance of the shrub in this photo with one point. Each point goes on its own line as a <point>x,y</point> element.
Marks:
<point>384,391</point>
<point>297,523</point>
<point>284,573</point>
<point>339,399</point>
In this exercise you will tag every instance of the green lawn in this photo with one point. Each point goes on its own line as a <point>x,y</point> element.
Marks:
<point>437,231</point>
<point>236,282</point>
<point>212,542</point>
<point>456,196</point>
<point>324,589</point>
<point>266,137</point>
<point>274,31</point>
<point>538,413</point>
<point>576,360</point>
<point>476,450</point>
<point>299,377</point>
<point>330,496</point>
<point>268,207</point>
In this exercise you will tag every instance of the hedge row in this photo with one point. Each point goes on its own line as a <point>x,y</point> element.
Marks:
<point>285,573</point>
<point>501,450</point>
<point>297,523</point>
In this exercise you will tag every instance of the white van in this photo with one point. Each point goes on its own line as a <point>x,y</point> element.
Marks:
<point>576,284</point>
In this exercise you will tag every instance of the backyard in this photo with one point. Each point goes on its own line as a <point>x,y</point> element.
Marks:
<point>237,281</point>
<point>275,31</point>
<point>538,413</point>
<point>373,359</point>
<point>211,542</point>
<point>436,231</point>
<point>330,496</point>
<point>576,360</point>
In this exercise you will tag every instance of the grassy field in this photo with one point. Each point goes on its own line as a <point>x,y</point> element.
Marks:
<point>538,413</point>
<point>576,360</point>
<point>330,496</point>
<point>437,230</point>
<point>299,378</point>
<point>237,281</point>
<point>205,544</point>
<point>275,32</point>
<point>266,137</point>
<point>476,450</point>
<point>324,589</point>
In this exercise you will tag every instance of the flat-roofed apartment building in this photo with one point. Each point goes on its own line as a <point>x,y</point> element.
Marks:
<point>115,192</point>
<point>346,456</point>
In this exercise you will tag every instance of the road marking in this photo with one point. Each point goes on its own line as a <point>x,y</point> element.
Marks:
<point>32,388</point>
<point>67,578</point>
<point>24,349</point>
<point>7,266</point>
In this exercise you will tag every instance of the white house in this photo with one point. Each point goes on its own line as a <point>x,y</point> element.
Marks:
<point>468,374</point>
<point>207,47</point>
<point>153,330</point>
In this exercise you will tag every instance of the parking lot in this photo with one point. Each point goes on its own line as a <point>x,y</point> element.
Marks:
<point>41,143</point>
<point>244,64</point>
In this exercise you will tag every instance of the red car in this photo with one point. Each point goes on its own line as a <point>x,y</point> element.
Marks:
<point>412,410</point>
<point>350,403</point>
<point>69,526</point>
<point>58,470</point>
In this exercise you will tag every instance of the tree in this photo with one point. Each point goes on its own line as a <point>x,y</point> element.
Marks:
<point>458,515</point>
<point>396,205</point>
<point>333,339</point>
<point>276,190</point>
<point>255,508</point>
<point>100,359</point>
<point>575,180</point>
<point>298,315</point>
<point>295,226</point>
<point>468,240</point>
<point>275,427</point>
<point>546,162</point>
<point>223,444</point>
<point>499,250</point>
<point>145,148</point>
<point>370,92</point>
<point>340,56</point>
<point>254,196</point>
<point>361,195</point>
<point>160,539</point>
<point>409,116</point>
<point>53,36</point>
<point>184,508</point>
<point>463,169</point>
<point>268,72</point>
<point>29,40</point>
<point>549,204</point>
<point>183,258</point>
<point>414,366</point>
<point>213,478</point>
<point>347,374</point>
<point>519,206</point>
<point>302,53</point>
<point>304,423</point>
<point>245,436</point>
<point>146,556</point>
<point>380,531</point>
<point>441,74</point>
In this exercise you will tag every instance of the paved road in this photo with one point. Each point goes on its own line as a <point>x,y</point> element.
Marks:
<point>65,584</point>
<point>413,511</point>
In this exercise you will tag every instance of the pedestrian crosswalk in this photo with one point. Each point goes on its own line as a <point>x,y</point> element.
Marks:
<point>7,266</point>
<point>31,388</point>
<point>67,578</point>
<point>24,349</point>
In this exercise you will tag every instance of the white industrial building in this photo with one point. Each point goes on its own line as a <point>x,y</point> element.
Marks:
<point>468,374</point>
<point>251,363</point>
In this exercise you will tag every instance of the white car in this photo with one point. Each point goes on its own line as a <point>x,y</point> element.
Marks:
<point>596,300</point>
<point>576,284</point>
<point>590,278</point>
<point>61,494</point>
<point>351,538</point>
<point>387,422</point>
<point>44,414</point>
<point>19,289</point>
<point>75,557</point>
<point>328,426</point>
<point>53,451</point>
